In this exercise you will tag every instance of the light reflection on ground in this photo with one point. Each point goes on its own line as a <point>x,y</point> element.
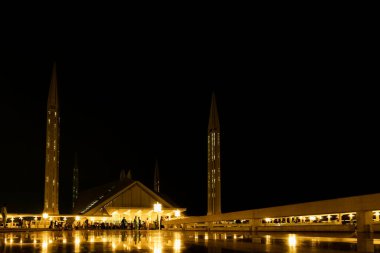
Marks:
<point>191,241</point>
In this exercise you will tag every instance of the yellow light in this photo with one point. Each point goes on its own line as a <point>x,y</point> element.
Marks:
<point>64,218</point>
<point>77,218</point>
<point>157,207</point>
<point>177,213</point>
<point>177,245</point>
<point>313,218</point>
<point>45,215</point>
<point>292,241</point>
<point>35,218</point>
<point>377,213</point>
<point>267,219</point>
<point>12,219</point>
<point>92,218</point>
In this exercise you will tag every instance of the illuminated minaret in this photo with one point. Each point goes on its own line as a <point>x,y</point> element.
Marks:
<point>213,166</point>
<point>156,178</point>
<point>52,149</point>
<point>75,180</point>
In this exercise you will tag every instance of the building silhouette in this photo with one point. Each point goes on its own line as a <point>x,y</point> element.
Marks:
<point>213,165</point>
<point>52,148</point>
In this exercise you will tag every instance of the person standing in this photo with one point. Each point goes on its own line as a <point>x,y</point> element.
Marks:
<point>4,215</point>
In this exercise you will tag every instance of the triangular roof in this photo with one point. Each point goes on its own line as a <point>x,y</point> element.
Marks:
<point>94,201</point>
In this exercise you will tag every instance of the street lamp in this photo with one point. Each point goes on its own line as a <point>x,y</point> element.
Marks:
<point>157,209</point>
<point>45,216</point>
<point>177,213</point>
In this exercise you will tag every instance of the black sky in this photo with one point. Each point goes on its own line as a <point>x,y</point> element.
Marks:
<point>297,110</point>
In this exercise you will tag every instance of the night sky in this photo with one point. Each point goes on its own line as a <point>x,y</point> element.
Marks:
<point>298,116</point>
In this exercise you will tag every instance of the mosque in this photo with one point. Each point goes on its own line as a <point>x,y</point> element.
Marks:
<point>123,198</point>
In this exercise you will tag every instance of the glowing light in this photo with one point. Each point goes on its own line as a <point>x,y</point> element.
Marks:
<point>77,240</point>
<point>177,213</point>
<point>35,218</point>
<point>45,215</point>
<point>157,247</point>
<point>157,207</point>
<point>77,218</point>
<point>267,219</point>
<point>292,241</point>
<point>377,213</point>
<point>351,215</point>
<point>92,218</point>
<point>267,239</point>
<point>44,245</point>
<point>235,236</point>
<point>206,236</point>
<point>64,218</point>
<point>64,240</point>
<point>177,245</point>
<point>313,218</point>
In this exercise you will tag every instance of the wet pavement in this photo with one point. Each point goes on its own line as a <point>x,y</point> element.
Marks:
<point>190,241</point>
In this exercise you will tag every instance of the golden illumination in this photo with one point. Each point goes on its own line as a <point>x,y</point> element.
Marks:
<point>267,219</point>
<point>157,207</point>
<point>177,245</point>
<point>45,215</point>
<point>313,218</point>
<point>177,213</point>
<point>77,218</point>
<point>292,240</point>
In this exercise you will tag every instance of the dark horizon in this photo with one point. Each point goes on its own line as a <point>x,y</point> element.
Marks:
<point>295,119</point>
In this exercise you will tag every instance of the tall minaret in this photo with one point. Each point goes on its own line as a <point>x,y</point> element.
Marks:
<point>156,178</point>
<point>213,166</point>
<point>52,149</point>
<point>75,179</point>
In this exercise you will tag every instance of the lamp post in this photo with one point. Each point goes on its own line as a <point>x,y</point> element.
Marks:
<point>157,208</point>
<point>177,213</point>
<point>45,216</point>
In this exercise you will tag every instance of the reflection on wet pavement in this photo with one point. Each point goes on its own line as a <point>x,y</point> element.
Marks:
<point>190,241</point>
